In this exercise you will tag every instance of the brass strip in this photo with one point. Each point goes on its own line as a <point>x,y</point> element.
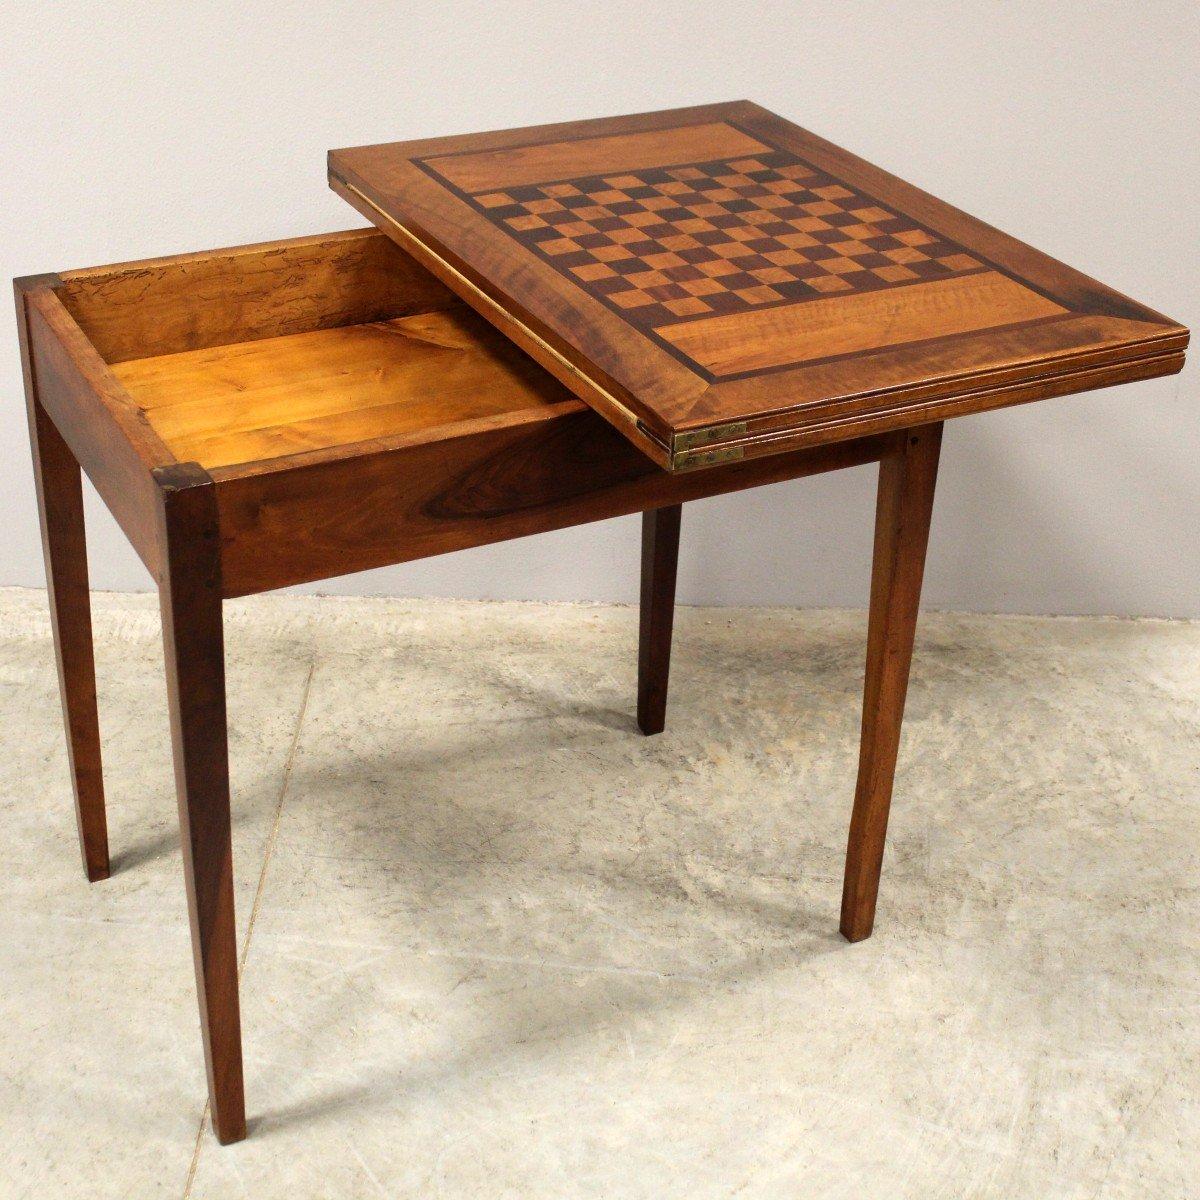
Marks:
<point>494,305</point>
<point>707,458</point>
<point>712,433</point>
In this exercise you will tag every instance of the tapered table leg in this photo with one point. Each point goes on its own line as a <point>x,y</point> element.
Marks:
<point>906,485</point>
<point>195,658</point>
<point>59,485</point>
<point>660,558</point>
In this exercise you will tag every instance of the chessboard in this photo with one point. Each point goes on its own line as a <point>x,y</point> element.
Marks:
<point>717,281</point>
<point>667,244</point>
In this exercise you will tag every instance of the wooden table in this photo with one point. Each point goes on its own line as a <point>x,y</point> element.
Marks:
<point>555,326</point>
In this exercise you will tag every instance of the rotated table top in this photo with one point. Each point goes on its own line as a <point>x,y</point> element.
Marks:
<point>719,283</point>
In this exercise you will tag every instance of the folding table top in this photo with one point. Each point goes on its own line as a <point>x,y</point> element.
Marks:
<point>720,283</point>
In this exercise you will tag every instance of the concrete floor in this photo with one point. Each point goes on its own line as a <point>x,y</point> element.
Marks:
<point>497,944</point>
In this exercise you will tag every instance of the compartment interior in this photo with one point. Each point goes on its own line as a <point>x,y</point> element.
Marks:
<point>239,356</point>
<point>248,401</point>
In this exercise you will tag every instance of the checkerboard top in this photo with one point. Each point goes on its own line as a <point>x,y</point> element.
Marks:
<point>716,277</point>
<point>670,243</point>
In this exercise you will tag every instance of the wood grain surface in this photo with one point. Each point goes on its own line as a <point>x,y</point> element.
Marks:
<point>216,297</point>
<point>759,339</point>
<point>332,387</point>
<point>311,516</point>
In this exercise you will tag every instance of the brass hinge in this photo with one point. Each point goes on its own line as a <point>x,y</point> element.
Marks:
<point>705,437</point>
<point>706,458</point>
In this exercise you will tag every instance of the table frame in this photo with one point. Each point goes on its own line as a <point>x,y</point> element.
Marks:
<point>208,536</point>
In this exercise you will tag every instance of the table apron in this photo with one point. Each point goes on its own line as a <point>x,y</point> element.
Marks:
<point>311,521</point>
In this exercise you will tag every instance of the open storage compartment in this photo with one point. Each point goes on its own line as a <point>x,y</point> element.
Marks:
<point>244,355</point>
<point>349,411</point>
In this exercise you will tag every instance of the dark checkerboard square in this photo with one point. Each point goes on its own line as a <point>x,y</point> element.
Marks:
<point>678,243</point>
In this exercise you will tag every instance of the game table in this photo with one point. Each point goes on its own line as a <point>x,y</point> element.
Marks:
<point>548,326</point>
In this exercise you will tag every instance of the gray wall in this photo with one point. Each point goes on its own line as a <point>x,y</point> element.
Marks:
<point>136,129</point>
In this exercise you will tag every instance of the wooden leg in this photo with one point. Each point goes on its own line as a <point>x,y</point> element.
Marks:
<point>660,557</point>
<point>195,657</point>
<point>60,501</point>
<point>906,484</point>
